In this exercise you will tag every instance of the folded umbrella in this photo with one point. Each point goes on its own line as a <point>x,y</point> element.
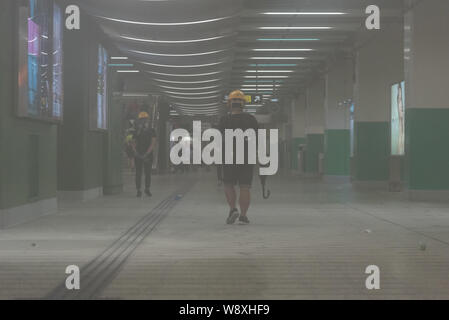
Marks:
<point>265,192</point>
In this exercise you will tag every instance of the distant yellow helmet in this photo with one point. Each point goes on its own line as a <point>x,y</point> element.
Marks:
<point>143,114</point>
<point>236,94</point>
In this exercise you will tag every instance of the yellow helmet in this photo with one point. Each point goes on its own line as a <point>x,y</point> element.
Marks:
<point>236,94</point>
<point>143,114</point>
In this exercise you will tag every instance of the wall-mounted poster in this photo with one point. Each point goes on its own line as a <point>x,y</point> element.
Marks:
<point>102,97</point>
<point>398,119</point>
<point>40,87</point>
<point>58,92</point>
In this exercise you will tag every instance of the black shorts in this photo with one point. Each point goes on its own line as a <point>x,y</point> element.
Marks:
<point>241,174</point>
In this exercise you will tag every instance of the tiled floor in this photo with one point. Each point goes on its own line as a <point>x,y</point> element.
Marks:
<point>309,240</point>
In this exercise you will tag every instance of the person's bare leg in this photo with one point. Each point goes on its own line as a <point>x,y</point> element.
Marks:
<point>244,200</point>
<point>231,196</point>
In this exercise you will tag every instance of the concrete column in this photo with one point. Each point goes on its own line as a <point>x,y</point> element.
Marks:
<point>339,87</point>
<point>379,64</point>
<point>427,100</point>
<point>113,146</point>
<point>298,127</point>
<point>314,126</point>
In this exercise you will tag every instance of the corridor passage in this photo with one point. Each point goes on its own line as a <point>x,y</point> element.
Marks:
<point>192,150</point>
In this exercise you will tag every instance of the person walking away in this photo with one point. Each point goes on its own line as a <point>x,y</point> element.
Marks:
<point>145,142</point>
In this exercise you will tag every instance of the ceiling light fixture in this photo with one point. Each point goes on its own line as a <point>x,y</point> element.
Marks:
<point>199,109</point>
<point>269,71</point>
<point>193,98</point>
<point>163,23</point>
<point>295,28</point>
<point>175,55</point>
<point>305,13</point>
<point>198,105</point>
<point>263,81</point>
<point>260,85</point>
<point>134,94</point>
<point>178,88</point>
<point>192,93</point>
<point>188,82</point>
<point>288,39</point>
<point>185,75</point>
<point>128,71</point>
<point>269,77</point>
<point>280,50</point>
<point>256,92</point>
<point>120,65</point>
<point>273,65</point>
<point>277,58</point>
<point>180,66</point>
<point>171,41</point>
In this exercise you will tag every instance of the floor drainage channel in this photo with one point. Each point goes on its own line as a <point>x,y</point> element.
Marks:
<point>100,271</point>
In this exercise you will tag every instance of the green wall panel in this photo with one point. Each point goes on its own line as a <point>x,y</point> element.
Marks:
<point>337,152</point>
<point>315,145</point>
<point>427,149</point>
<point>372,151</point>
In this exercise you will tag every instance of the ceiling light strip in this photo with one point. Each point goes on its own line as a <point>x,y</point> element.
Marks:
<point>277,58</point>
<point>181,66</point>
<point>323,13</point>
<point>185,75</point>
<point>295,28</point>
<point>178,88</point>
<point>281,50</point>
<point>128,71</point>
<point>171,41</point>
<point>164,24</point>
<point>193,98</point>
<point>288,39</point>
<point>198,105</point>
<point>269,71</point>
<point>175,55</point>
<point>192,93</point>
<point>188,82</point>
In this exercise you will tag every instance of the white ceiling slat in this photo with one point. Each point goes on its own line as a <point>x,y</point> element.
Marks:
<point>194,46</point>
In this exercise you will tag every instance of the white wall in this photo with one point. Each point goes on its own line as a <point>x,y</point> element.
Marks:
<point>379,65</point>
<point>427,55</point>
<point>315,107</point>
<point>339,88</point>
<point>299,116</point>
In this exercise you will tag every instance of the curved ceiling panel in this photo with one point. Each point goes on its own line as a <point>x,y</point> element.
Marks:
<point>194,51</point>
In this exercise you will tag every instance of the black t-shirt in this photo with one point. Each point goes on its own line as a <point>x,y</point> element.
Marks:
<point>242,121</point>
<point>143,137</point>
